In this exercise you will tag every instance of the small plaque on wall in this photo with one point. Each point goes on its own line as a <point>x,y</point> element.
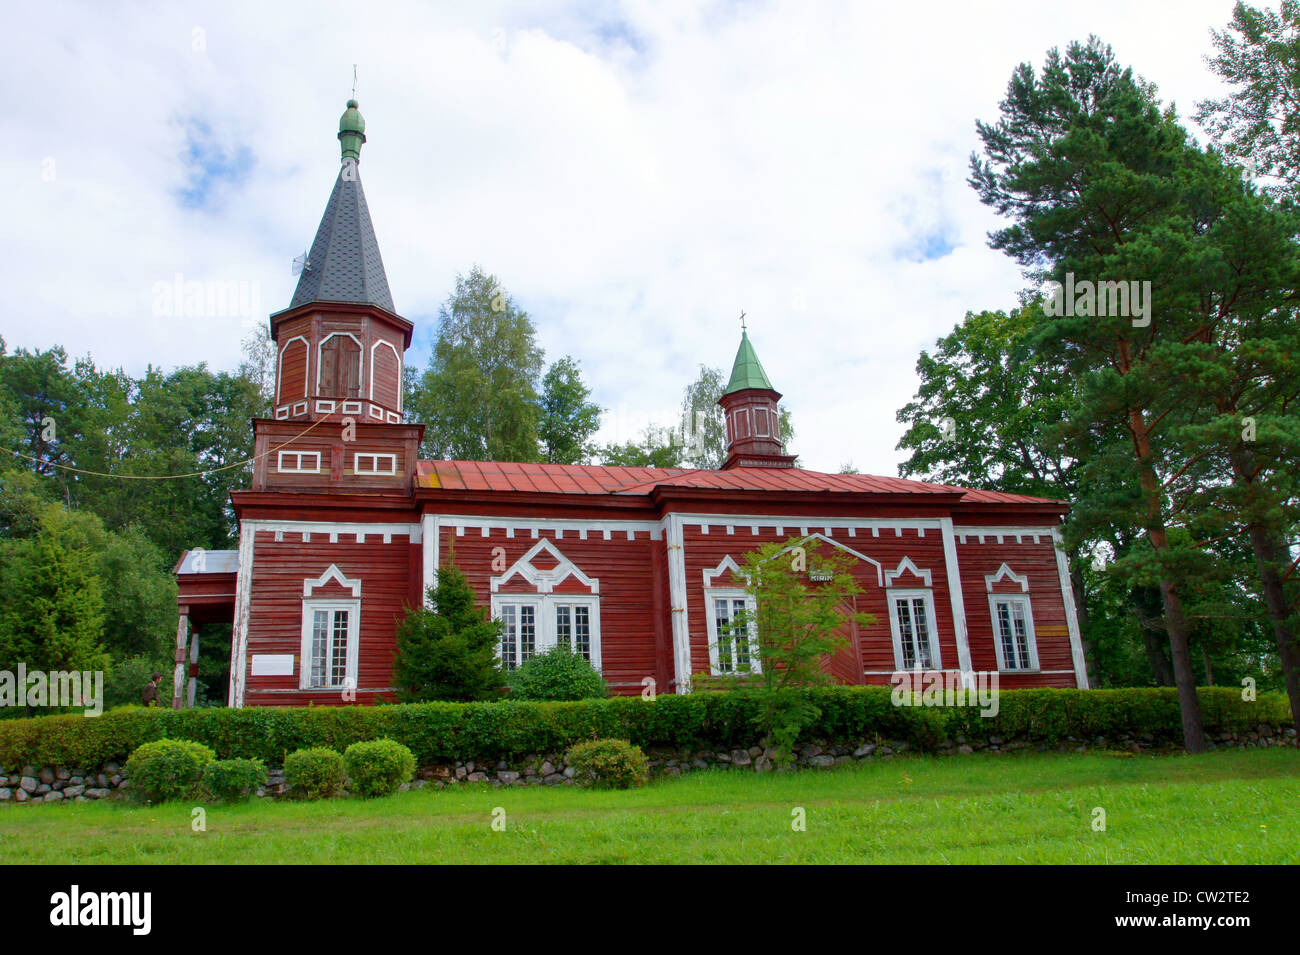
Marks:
<point>272,664</point>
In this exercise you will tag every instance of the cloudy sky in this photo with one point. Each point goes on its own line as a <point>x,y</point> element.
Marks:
<point>635,174</point>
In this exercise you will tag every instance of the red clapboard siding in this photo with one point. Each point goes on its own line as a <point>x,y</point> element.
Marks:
<point>1038,563</point>
<point>275,612</point>
<point>706,551</point>
<point>623,567</point>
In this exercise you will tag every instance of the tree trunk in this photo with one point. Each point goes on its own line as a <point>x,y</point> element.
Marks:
<point>1270,556</point>
<point>1189,703</point>
<point>1156,658</point>
<point>1266,550</point>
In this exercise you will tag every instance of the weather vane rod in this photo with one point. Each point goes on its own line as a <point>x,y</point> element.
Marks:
<point>742,320</point>
<point>354,81</point>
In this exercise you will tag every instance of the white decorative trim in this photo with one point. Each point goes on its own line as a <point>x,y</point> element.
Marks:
<point>386,531</point>
<point>299,408</point>
<point>282,413</point>
<point>957,601</point>
<point>980,532</point>
<point>243,596</point>
<point>394,417</point>
<point>376,412</point>
<point>534,525</point>
<point>726,564</point>
<point>880,580</point>
<point>320,353</point>
<point>805,521</point>
<point>352,407</point>
<point>400,369</point>
<point>325,406</point>
<point>1071,617</point>
<point>677,611</point>
<point>373,470</point>
<point>990,580</point>
<point>299,457</point>
<point>429,555</point>
<point>545,580</point>
<point>279,369</point>
<point>332,573</point>
<point>906,566</point>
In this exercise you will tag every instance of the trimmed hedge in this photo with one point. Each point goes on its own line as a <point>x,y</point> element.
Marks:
<point>378,767</point>
<point>314,773</point>
<point>443,732</point>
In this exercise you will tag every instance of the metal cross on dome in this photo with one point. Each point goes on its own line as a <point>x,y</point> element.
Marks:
<point>742,320</point>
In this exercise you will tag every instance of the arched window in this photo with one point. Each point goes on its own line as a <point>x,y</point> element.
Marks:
<point>340,368</point>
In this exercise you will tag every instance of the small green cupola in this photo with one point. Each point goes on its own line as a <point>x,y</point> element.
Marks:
<point>749,405</point>
<point>746,371</point>
<point>352,131</point>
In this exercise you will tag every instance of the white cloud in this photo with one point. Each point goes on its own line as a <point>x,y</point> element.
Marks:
<point>635,178</point>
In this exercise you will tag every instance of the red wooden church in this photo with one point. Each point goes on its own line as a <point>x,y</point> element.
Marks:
<point>635,568</point>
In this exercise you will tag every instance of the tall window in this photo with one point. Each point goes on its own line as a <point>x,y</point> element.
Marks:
<point>573,628</point>
<point>340,368</point>
<point>1013,626</point>
<point>329,657</point>
<point>534,624</point>
<point>912,622</point>
<point>733,633</point>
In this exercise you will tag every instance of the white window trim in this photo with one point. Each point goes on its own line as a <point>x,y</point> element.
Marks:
<point>309,607</point>
<point>760,423</point>
<point>1023,599</point>
<point>375,460</point>
<point>400,370</point>
<point>279,371</point>
<point>545,604</point>
<point>710,618</point>
<point>299,456</point>
<point>893,594</point>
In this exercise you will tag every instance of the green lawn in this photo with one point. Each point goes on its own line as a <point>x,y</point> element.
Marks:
<point>1231,806</point>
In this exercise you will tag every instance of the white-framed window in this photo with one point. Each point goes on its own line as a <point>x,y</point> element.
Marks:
<point>534,623</point>
<point>366,463</point>
<point>760,422</point>
<point>733,631</point>
<point>1013,631</point>
<point>298,462</point>
<point>912,625</point>
<point>330,643</point>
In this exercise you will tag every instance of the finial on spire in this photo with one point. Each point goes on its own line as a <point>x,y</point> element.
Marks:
<point>742,321</point>
<point>354,81</point>
<point>352,132</point>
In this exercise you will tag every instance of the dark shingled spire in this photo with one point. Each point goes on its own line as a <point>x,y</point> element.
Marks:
<point>344,264</point>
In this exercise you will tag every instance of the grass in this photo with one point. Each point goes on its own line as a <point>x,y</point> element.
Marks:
<point>1230,806</point>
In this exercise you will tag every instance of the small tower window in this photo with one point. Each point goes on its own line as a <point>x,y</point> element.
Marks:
<point>340,367</point>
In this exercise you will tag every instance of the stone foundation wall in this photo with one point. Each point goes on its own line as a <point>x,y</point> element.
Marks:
<point>59,784</point>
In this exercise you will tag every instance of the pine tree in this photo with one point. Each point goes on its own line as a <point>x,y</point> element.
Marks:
<point>448,650</point>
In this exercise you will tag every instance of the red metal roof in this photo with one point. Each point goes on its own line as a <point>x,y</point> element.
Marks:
<point>609,479</point>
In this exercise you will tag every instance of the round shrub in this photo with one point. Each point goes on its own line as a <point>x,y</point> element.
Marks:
<point>378,767</point>
<point>557,674</point>
<point>315,773</point>
<point>234,779</point>
<point>607,764</point>
<point>167,769</point>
